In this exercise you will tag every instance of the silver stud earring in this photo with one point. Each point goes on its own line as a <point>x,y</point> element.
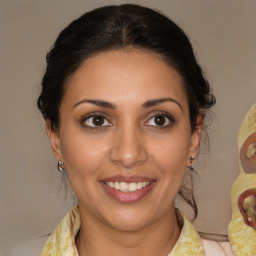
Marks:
<point>192,158</point>
<point>191,168</point>
<point>61,166</point>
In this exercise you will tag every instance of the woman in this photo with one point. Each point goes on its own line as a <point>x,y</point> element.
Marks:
<point>122,97</point>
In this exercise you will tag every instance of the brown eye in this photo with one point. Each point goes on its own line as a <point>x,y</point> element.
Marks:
<point>160,120</point>
<point>96,121</point>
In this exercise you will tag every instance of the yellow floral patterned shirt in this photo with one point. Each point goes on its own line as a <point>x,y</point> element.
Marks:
<point>62,240</point>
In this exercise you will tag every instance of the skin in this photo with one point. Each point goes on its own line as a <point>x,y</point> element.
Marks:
<point>129,143</point>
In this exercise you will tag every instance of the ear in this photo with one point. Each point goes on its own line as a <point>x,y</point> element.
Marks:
<point>54,137</point>
<point>195,140</point>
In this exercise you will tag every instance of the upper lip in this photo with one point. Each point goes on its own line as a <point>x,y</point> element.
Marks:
<point>127,179</point>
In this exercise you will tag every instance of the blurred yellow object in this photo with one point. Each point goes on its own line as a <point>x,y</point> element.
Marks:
<point>62,240</point>
<point>248,126</point>
<point>241,235</point>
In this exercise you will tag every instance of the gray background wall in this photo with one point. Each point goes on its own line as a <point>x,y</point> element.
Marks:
<point>223,34</point>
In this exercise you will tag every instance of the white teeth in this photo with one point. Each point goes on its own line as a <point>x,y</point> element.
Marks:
<point>139,185</point>
<point>124,186</point>
<point>132,187</point>
<point>127,187</point>
<point>117,185</point>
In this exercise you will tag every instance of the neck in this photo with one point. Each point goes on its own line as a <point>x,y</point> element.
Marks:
<point>158,238</point>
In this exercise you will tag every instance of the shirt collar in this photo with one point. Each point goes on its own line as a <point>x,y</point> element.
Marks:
<point>62,240</point>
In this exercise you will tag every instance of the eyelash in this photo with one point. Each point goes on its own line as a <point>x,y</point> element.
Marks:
<point>168,118</point>
<point>95,115</point>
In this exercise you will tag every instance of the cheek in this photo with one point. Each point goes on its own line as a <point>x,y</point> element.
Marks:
<point>83,159</point>
<point>171,168</point>
<point>171,157</point>
<point>172,149</point>
<point>82,154</point>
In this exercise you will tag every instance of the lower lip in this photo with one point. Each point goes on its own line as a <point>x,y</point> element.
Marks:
<point>128,197</point>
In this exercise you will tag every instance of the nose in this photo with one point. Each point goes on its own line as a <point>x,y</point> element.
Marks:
<point>129,148</point>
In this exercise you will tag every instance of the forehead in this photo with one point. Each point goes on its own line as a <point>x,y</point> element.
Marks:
<point>127,74</point>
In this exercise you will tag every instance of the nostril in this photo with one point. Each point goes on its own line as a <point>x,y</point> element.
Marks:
<point>128,150</point>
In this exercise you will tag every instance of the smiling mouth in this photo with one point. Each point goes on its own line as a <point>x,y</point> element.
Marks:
<point>127,187</point>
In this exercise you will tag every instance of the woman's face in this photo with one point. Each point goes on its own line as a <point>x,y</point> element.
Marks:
<point>125,138</point>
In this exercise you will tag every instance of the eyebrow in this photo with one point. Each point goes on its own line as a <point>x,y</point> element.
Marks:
<point>151,103</point>
<point>99,103</point>
<point>147,104</point>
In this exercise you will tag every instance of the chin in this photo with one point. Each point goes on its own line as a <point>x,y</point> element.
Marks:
<point>129,220</point>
